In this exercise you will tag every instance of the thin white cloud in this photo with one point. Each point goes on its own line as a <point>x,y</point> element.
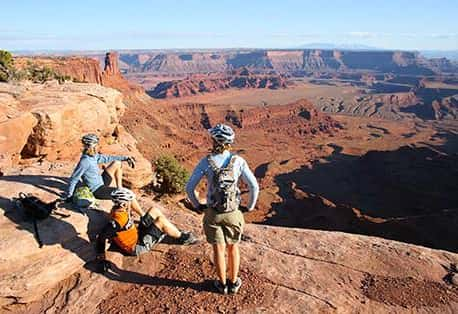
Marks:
<point>445,36</point>
<point>362,34</point>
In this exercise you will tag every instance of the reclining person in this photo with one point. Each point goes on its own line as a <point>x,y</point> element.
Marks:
<point>121,230</point>
<point>89,171</point>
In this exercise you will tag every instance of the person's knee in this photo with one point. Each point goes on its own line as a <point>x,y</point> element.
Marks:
<point>232,248</point>
<point>113,167</point>
<point>219,247</point>
<point>117,164</point>
<point>156,213</point>
<point>160,222</point>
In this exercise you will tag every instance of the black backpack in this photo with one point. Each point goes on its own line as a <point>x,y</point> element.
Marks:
<point>35,209</point>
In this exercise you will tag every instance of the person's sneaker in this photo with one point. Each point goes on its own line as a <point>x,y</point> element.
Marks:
<point>233,288</point>
<point>187,238</point>
<point>220,287</point>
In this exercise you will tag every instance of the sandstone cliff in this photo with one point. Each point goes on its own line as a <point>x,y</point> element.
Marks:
<point>111,77</point>
<point>88,70</point>
<point>46,121</point>
<point>286,61</point>
<point>79,69</point>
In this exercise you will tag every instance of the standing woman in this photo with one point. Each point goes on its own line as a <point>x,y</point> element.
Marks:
<point>223,221</point>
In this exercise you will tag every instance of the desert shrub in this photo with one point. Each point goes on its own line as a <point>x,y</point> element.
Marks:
<point>6,59</point>
<point>39,74</point>
<point>18,75</point>
<point>6,65</point>
<point>31,71</point>
<point>172,176</point>
<point>4,75</point>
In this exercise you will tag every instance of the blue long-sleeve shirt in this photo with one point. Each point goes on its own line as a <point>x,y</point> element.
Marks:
<point>241,170</point>
<point>88,170</point>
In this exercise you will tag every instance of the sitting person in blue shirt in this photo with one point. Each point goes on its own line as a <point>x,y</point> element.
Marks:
<point>88,171</point>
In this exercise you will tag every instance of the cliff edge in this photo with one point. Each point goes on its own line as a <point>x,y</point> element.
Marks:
<point>284,269</point>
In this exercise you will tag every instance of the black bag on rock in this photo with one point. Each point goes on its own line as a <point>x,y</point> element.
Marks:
<point>35,209</point>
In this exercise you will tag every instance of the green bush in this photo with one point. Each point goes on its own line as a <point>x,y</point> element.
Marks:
<point>6,65</point>
<point>4,75</point>
<point>6,59</point>
<point>39,74</point>
<point>172,176</point>
<point>31,72</point>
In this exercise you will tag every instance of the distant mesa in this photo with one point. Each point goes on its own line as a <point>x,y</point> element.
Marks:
<point>295,61</point>
<point>197,84</point>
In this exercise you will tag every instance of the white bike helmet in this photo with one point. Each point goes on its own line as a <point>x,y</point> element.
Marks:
<point>122,196</point>
<point>222,134</point>
<point>90,140</point>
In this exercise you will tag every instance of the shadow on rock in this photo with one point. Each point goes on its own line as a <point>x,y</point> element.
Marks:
<point>43,182</point>
<point>56,230</point>
<point>53,230</point>
<point>408,195</point>
<point>121,275</point>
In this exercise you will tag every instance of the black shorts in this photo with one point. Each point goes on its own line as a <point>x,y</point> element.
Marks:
<point>147,238</point>
<point>152,230</point>
<point>104,192</point>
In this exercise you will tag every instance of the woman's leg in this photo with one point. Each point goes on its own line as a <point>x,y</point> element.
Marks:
<point>233,257</point>
<point>135,206</point>
<point>219,250</point>
<point>167,227</point>
<point>114,170</point>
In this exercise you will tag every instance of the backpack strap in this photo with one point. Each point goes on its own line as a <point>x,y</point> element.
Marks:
<point>129,223</point>
<point>231,162</point>
<point>213,165</point>
<point>216,169</point>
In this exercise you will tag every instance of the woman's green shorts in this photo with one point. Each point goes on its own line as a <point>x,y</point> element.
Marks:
<point>223,227</point>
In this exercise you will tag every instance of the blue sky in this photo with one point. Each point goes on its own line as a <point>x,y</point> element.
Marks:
<point>102,25</point>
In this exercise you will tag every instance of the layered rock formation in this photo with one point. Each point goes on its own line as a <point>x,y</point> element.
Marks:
<point>286,61</point>
<point>385,106</point>
<point>395,102</point>
<point>446,109</point>
<point>391,83</point>
<point>88,70</point>
<point>46,121</point>
<point>79,69</point>
<point>435,104</point>
<point>301,117</point>
<point>111,77</point>
<point>197,84</point>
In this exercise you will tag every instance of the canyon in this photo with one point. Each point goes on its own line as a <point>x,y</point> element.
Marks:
<point>197,84</point>
<point>387,84</point>
<point>384,84</point>
<point>355,153</point>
